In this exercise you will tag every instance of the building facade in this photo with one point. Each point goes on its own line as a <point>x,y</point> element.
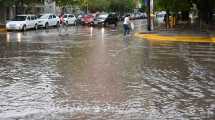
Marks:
<point>50,6</point>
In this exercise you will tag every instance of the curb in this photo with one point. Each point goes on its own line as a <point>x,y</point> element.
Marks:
<point>177,38</point>
<point>3,30</point>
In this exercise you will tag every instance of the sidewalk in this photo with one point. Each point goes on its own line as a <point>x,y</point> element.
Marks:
<point>181,33</point>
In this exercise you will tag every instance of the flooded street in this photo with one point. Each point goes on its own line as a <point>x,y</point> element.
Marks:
<point>85,73</point>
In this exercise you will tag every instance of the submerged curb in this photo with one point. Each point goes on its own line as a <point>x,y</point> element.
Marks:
<point>176,38</point>
<point>2,29</point>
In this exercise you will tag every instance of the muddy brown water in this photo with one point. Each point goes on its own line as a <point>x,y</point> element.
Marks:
<point>85,73</point>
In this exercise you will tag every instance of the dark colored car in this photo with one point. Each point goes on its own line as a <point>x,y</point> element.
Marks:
<point>106,19</point>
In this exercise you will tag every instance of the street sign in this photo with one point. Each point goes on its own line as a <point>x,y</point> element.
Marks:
<point>146,2</point>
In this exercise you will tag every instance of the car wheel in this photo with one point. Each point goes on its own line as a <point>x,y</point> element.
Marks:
<point>24,28</point>
<point>46,25</point>
<point>36,27</point>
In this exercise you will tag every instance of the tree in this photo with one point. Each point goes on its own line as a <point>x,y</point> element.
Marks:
<point>18,4</point>
<point>66,2</point>
<point>121,5</point>
<point>8,3</point>
<point>100,5</point>
<point>206,8</point>
<point>173,5</point>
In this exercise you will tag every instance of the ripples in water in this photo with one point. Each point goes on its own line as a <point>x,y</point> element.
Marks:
<point>83,76</point>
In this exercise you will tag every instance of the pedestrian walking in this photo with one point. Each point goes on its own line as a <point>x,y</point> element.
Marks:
<point>62,19</point>
<point>166,20</point>
<point>63,27</point>
<point>126,25</point>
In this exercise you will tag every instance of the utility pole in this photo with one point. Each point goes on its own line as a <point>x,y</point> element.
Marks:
<point>149,16</point>
<point>152,14</point>
<point>150,4</point>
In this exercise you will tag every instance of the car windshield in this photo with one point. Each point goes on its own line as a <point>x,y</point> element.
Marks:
<point>19,18</point>
<point>80,16</point>
<point>160,15</point>
<point>103,16</point>
<point>65,16</point>
<point>43,16</point>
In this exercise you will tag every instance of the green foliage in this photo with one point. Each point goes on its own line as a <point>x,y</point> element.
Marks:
<point>121,5</point>
<point>8,3</point>
<point>206,8</point>
<point>100,5</point>
<point>66,2</point>
<point>173,5</point>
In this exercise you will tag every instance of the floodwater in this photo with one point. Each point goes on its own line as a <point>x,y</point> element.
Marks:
<point>84,73</point>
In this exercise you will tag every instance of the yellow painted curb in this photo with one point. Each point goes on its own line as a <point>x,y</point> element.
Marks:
<point>179,38</point>
<point>2,30</point>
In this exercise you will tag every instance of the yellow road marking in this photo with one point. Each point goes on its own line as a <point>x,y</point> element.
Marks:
<point>2,29</point>
<point>178,38</point>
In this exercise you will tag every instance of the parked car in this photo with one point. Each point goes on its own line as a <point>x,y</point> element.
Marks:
<point>122,17</point>
<point>48,20</point>
<point>87,19</point>
<point>144,15</point>
<point>132,16</point>
<point>23,22</point>
<point>140,15</point>
<point>69,19</point>
<point>106,19</point>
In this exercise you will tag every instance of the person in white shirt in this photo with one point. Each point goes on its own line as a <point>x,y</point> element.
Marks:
<point>126,25</point>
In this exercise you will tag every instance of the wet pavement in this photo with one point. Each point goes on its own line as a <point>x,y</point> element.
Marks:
<point>85,73</point>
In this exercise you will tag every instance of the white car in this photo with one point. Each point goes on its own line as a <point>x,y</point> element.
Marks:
<point>22,22</point>
<point>48,20</point>
<point>69,19</point>
<point>160,17</point>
